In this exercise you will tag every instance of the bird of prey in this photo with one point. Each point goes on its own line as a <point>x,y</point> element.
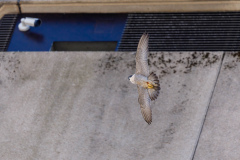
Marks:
<point>148,84</point>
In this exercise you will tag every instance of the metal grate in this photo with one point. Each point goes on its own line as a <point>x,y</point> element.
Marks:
<point>183,31</point>
<point>7,24</point>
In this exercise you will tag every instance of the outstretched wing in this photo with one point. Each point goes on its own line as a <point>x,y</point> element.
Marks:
<point>142,56</point>
<point>144,101</point>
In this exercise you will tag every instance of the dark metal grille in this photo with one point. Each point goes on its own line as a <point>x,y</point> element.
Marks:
<point>183,31</point>
<point>7,24</point>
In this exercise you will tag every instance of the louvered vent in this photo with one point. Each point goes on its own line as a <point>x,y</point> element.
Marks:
<point>7,24</point>
<point>183,31</point>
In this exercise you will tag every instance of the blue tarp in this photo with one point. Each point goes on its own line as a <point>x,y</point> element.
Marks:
<point>67,27</point>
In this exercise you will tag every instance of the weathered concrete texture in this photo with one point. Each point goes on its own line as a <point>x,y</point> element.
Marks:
<point>81,105</point>
<point>220,138</point>
<point>52,1</point>
<point>2,2</point>
<point>127,6</point>
<point>96,1</point>
<point>111,1</point>
<point>8,1</point>
<point>104,1</point>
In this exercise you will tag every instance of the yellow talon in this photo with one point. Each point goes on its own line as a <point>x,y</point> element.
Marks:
<point>150,86</point>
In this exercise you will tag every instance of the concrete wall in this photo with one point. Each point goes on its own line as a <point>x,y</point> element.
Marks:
<point>220,138</point>
<point>117,6</point>
<point>80,105</point>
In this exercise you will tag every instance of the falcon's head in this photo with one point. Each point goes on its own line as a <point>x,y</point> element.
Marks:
<point>132,78</point>
<point>129,77</point>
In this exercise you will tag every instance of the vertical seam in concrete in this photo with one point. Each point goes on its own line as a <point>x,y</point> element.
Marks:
<point>203,122</point>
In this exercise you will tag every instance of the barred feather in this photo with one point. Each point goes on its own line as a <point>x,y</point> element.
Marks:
<point>154,92</point>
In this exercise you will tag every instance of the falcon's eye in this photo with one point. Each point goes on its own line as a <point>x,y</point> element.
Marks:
<point>129,77</point>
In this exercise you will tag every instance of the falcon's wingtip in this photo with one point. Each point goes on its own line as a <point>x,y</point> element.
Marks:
<point>149,122</point>
<point>145,34</point>
<point>147,114</point>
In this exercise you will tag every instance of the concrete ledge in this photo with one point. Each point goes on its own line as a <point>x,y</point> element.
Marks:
<point>99,1</point>
<point>8,2</point>
<point>140,7</point>
<point>8,9</point>
<point>117,6</point>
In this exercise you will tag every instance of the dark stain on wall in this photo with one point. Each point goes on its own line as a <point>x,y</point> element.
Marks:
<point>163,63</point>
<point>232,60</point>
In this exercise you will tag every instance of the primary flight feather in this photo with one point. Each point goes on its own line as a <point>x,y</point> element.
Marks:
<point>148,84</point>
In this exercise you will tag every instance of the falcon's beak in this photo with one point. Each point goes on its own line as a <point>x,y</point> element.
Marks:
<point>129,77</point>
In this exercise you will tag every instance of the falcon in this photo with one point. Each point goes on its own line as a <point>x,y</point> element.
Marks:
<point>147,84</point>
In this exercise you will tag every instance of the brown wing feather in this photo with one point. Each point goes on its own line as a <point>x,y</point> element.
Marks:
<point>142,56</point>
<point>144,101</point>
<point>154,92</point>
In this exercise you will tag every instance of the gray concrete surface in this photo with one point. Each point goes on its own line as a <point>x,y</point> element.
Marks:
<point>80,105</point>
<point>52,1</point>
<point>2,2</point>
<point>8,1</point>
<point>67,1</point>
<point>220,138</point>
<point>88,1</point>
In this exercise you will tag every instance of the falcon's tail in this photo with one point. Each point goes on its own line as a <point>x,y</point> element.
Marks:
<point>153,92</point>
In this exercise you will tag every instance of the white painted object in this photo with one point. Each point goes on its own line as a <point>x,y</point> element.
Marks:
<point>27,22</point>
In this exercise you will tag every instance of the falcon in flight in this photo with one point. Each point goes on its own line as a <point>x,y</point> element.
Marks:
<point>148,84</point>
